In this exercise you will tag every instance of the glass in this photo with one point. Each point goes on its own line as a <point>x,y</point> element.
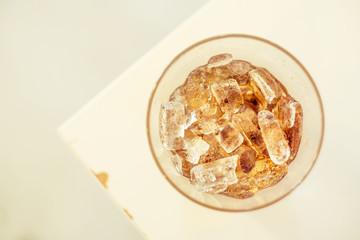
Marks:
<point>287,69</point>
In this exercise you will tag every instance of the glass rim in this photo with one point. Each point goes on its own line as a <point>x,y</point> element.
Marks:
<point>235,35</point>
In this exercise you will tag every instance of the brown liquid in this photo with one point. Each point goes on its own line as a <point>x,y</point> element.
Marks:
<point>227,96</point>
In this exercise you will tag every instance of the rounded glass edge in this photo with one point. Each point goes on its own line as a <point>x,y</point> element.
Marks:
<point>212,39</point>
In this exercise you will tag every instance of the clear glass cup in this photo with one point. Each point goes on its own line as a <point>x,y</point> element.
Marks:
<point>287,69</point>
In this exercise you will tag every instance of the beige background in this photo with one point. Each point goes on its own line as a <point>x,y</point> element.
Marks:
<point>54,57</point>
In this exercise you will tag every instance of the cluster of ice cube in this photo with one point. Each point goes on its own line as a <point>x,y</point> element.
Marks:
<point>231,128</point>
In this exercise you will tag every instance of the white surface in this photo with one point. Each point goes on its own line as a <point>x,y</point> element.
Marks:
<point>54,56</point>
<point>109,132</point>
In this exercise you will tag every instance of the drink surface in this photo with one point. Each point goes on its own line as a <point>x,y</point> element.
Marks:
<point>232,127</point>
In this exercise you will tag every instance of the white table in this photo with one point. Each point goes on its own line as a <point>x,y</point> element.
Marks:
<point>108,134</point>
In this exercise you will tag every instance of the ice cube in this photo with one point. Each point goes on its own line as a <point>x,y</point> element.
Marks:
<point>287,109</point>
<point>207,116</point>
<point>246,112</point>
<point>177,161</point>
<point>245,121</point>
<point>215,151</point>
<point>195,148</point>
<point>267,173</point>
<point>265,86</point>
<point>245,90</point>
<point>186,166</point>
<point>250,100</point>
<point>223,120</point>
<point>220,73</point>
<point>217,188</point>
<point>229,137</point>
<point>240,71</point>
<point>189,134</point>
<point>178,95</point>
<point>197,89</point>
<point>290,115</point>
<point>282,89</point>
<point>219,60</point>
<point>274,138</point>
<point>245,187</point>
<point>190,118</point>
<point>228,95</point>
<point>213,176</point>
<point>172,120</point>
<point>195,128</point>
<point>253,102</point>
<point>247,158</point>
<point>293,135</point>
